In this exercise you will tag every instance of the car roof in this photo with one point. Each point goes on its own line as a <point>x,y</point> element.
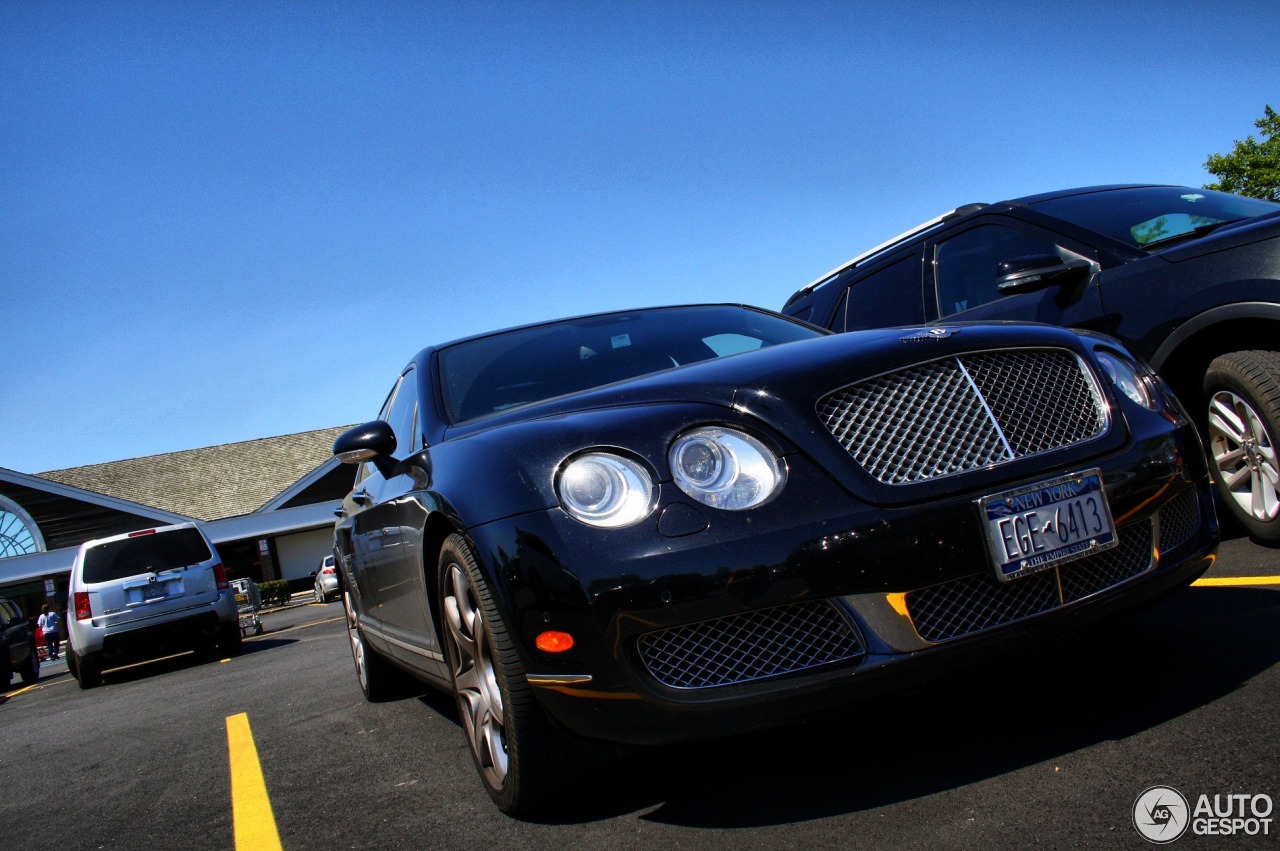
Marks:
<point>958,214</point>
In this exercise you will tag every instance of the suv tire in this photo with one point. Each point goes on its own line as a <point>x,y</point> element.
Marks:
<point>1242,393</point>
<point>86,672</point>
<point>30,670</point>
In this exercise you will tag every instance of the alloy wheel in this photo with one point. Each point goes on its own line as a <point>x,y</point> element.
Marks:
<point>475,677</point>
<point>1244,455</point>
<point>357,643</point>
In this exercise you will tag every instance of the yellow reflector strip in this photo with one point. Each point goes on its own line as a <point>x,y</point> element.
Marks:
<point>255,825</point>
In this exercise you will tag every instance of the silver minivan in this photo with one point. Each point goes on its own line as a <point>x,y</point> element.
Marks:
<point>141,594</point>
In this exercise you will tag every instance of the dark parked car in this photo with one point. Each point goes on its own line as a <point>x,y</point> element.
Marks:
<point>677,523</point>
<point>17,645</point>
<point>1188,278</point>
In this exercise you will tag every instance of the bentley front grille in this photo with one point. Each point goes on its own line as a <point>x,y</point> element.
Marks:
<point>750,646</point>
<point>957,414</point>
<point>980,602</point>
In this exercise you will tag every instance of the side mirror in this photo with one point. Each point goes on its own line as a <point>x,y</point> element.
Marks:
<point>374,441</point>
<point>1038,272</point>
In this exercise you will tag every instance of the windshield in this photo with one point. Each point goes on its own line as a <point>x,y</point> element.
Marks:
<point>1145,217</point>
<point>513,368</point>
<point>144,554</point>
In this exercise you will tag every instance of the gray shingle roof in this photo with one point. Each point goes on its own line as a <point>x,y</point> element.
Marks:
<point>209,483</point>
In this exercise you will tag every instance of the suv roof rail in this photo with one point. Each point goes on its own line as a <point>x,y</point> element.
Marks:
<point>884,246</point>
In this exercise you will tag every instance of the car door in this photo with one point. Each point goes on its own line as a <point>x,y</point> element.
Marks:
<point>964,268</point>
<point>389,534</point>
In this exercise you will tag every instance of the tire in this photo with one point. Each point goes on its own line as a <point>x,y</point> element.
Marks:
<point>1242,392</point>
<point>379,680</point>
<point>524,761</point>
<point>30,670</point>
<point>86,672</point>
<point>230,641</point>
<point>320,598</point>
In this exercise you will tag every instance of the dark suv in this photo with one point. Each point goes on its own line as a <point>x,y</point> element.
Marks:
<point>1188,278</point>
<point>17,645</point>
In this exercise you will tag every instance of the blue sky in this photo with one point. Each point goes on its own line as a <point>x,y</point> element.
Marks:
<point>225,221</point>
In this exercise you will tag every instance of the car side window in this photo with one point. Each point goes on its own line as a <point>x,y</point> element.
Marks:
<point>966,266</point>
<point>888,296</point>
<point>402,416</point>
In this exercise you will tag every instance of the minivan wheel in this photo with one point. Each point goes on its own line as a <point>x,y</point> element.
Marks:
<point>524,761</point>
<point>1243,393</point>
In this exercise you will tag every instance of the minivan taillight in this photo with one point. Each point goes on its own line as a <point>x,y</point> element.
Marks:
<point>220,576</point>
<point>83,610</point>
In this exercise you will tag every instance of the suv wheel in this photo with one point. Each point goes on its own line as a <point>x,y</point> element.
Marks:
<point>230,640</point>
<point>86,672</point>
<point>1243,392</point>
<point>30,670</point>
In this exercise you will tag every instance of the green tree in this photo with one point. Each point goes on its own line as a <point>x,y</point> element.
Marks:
<point>1252,168</point>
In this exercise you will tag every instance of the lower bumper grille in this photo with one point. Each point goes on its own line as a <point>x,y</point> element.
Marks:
<point>750,646</point>
<point>1179,520</point>
<point>979,602</point>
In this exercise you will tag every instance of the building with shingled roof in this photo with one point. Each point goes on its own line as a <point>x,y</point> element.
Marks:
<point>267,504</point>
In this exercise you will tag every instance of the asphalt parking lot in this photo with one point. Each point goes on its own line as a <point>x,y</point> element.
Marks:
<point>277,745</point>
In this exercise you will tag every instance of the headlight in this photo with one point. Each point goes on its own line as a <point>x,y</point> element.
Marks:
<point>605,490</point>
<point>1127,380</point>
<point>726,469</point>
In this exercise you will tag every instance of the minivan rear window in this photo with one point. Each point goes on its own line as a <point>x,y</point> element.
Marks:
<point>144,554</point>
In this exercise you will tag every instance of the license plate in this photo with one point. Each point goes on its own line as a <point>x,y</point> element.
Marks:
<point>1033,528</point>
<point>154,591</point>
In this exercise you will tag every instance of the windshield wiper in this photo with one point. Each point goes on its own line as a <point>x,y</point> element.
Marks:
<point>1191,234</point>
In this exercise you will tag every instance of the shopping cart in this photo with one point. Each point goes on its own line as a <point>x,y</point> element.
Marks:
<point>249,601</point>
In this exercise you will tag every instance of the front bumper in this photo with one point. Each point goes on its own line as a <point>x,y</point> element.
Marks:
<point>910,589</point>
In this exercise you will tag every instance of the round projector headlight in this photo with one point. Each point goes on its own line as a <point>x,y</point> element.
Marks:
<point>605,490</point>
<point>725,468</point>
<point>1126,379</point>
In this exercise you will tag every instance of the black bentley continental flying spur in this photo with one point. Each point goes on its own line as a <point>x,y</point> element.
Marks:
<point>669,524</point>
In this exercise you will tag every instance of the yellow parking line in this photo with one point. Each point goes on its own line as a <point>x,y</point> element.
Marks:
<point>1235,581</point>
<point>255,825</point>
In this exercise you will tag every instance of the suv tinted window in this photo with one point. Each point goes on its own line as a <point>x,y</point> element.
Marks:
<point>888,296</point>
<point>144,554</point>
<point>966,266</point>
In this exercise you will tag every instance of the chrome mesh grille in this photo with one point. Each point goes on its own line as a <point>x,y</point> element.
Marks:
<point>749,646</point>
<point>978,602</point>
<point>1179,520</point>
<point>957,414</point>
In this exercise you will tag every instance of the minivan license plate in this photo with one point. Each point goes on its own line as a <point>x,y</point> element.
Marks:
<point>1035,527</point>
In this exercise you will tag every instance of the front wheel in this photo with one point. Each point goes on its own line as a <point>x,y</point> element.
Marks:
<point>1243,393</point>
<point>523,760</point>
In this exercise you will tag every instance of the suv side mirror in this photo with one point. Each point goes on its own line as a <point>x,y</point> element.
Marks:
<point>374,441</point>
<point>1038,272</point>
